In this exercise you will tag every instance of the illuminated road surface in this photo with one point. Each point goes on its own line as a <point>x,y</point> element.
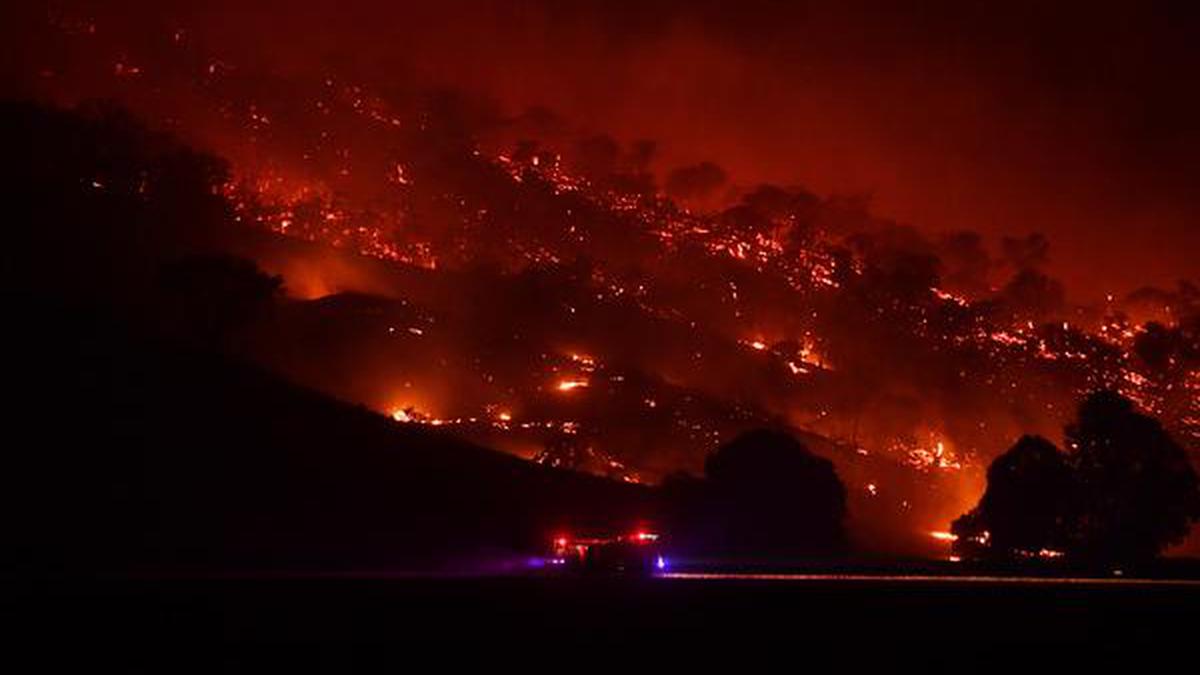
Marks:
<point>928,578</point>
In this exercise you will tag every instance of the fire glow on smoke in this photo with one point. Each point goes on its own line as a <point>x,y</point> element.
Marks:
<point>635,333</point>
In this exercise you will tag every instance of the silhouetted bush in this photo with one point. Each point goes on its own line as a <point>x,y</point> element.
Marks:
<point>1136,492</point>
<point>1022,510</point>
<point>764,494</point>
<point>1124,493</point>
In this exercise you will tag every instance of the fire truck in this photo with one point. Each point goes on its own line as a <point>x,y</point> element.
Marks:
<point>636,553</point>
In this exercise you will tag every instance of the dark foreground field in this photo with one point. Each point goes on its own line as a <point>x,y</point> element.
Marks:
<point>343,624</point>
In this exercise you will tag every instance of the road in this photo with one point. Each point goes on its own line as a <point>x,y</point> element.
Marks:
<point>931,579</point>
<point>875,621</point>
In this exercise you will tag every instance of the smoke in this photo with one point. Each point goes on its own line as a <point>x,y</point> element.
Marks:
<point>695,184</point>
<point>966,263</point>
<point>529,276</point>
<point>1029,252</point>
<point>952,117</point>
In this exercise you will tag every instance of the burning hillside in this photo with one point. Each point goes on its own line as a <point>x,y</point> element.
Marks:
<point>536,290</point>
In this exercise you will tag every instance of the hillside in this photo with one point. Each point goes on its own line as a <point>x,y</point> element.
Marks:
<point>127,453</point>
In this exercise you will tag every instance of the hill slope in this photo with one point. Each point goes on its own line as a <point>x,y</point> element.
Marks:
<point>128,452</point>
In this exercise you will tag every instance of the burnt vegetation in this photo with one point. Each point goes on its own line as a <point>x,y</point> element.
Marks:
<point>195,436</point>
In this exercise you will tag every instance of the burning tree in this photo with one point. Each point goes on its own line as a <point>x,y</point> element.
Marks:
<point>578,453</point>
<point>777,304</point>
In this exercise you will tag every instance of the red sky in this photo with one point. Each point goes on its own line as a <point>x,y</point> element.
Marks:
<point>1080,122</point>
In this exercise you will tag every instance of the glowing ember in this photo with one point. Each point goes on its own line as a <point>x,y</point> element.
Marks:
<point>938,457</point>
<point>765,313</point>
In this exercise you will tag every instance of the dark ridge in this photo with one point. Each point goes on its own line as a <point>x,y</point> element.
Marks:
<point>131,453</point>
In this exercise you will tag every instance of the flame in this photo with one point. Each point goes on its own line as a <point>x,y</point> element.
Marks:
<point>571,385</point>
<point>318,202</point>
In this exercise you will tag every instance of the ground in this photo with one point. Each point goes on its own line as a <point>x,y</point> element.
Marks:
<point>344,623</point>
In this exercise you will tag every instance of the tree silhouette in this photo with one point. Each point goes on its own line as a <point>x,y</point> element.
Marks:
<point>1124,493</point>
<point>1136,493</point>
<point>1022,510</point>
<point>1032,295</point>
<point>767,494</point>
<point>1170,355</point>
<point>695,182</point>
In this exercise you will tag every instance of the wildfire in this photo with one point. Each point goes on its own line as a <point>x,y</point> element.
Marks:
<point>571,385</point>
<point>937,457</point>
<point>741,295</point>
